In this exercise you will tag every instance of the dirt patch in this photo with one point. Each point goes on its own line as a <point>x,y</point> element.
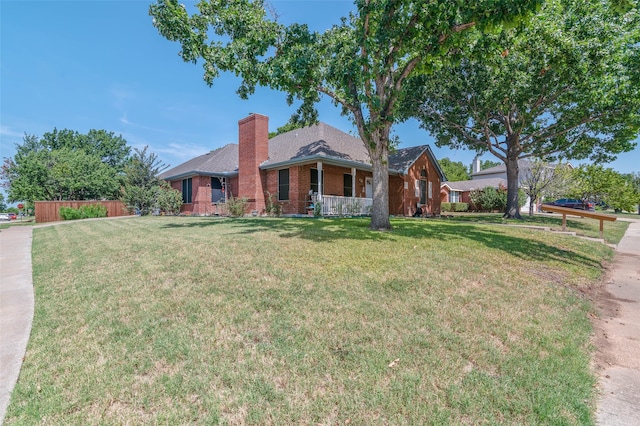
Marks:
<point>608,307</point>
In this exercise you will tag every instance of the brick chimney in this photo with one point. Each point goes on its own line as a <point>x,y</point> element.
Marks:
<point>253,150</point>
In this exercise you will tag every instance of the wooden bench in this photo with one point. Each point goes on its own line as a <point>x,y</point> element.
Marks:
<point>582,213</point>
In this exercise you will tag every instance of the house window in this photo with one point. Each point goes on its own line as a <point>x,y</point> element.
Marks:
<point>430,190</point>
<point>283,184</point>
<point>454,197</point>
<point>314,180</point>
<point>348,185</point>
<point>186,190</point>
<point>423,191</point>
<point>217,190</point>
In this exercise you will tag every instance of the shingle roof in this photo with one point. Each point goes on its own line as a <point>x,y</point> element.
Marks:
<point>468,185</point>
<point>317,141</point>
<point>320,142</point>
<point>401,159</point>
<point>221,161</point>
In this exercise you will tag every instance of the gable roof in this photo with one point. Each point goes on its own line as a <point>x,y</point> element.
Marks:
<point>320,142</point>
<point>401,159</point>
<point>219,162</point>
<point>470,185</point>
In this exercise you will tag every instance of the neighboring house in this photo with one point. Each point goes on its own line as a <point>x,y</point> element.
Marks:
<point>299,168</point>
<point>494,177</point>
<point>460,191</point>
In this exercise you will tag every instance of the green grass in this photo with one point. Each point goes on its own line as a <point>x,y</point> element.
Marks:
<point>297,321</point>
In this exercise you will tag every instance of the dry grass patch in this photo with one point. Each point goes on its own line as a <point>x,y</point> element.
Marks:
<point>283,321</point>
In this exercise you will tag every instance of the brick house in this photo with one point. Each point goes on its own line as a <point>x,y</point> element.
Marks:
<point>300,168</point>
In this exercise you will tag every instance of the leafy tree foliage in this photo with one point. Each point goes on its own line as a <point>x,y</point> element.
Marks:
<point>565,84</point>
<point>3,204</point>
<point>142,188</point>
<point>65,165</point>
<point>605,185</point>
<point>455,171</point>
<point>361,64</point>
<point>487,164</point>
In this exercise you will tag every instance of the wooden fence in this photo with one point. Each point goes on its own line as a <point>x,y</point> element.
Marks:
<point>49,211</point>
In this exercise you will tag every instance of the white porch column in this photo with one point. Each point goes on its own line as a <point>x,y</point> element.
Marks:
<point>353,182</point>
<point>319,166</point>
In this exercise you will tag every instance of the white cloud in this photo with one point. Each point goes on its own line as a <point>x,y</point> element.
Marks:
<point>9,132</point>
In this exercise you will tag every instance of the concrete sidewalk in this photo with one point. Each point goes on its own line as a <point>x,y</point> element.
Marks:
<point>16,306</point>
<point>618,336</point>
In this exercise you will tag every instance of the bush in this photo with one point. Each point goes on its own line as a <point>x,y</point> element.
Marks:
<point>237,206</point>
<point>445,207</point>
<point>168,200</point>
<point>459,207</point>
<point>83,212</point>
<point>273,208</point>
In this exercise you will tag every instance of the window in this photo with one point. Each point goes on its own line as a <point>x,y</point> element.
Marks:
<point>217,190</point>
<point>348,185</point>
<point>423,192</point>
<point>430,190</point>
<point>283,184</point>
<point>314,180</point>
<point>454,197</point>
<point>186,190</point>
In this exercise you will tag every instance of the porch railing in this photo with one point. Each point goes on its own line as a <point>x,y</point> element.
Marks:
<point>333,205</point>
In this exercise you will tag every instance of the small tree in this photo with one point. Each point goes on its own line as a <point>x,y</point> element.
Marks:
<point>541,178</point>
<point>141,182</point>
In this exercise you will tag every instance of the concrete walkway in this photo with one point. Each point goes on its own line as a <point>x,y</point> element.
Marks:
<point>16,306</point>
<point>618,329</point>
<point>618,336</point>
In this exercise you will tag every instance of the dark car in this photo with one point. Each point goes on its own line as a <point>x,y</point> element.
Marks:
<point>571,203</point>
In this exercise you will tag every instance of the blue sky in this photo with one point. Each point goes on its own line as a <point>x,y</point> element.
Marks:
<point>85,65</point>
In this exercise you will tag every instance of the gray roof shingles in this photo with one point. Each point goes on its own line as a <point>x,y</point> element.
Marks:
<point>221,161</point>
<point>318,142</point>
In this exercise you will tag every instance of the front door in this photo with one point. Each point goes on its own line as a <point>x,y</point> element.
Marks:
<point>368,187</point>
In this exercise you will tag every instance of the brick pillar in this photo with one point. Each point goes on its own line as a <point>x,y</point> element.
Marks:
<point>253,149</point>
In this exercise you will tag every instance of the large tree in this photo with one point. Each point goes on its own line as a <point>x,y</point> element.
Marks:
<point>362,63</point>
<point>565,84</point>
<point>65,165</point>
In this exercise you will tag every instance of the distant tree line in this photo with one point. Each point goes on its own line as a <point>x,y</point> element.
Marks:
<point>99,165</point>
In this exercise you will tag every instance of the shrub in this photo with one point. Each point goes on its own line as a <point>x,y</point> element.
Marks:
<point>83,212</point>
<point>168,200</point>
<point>273,208</point>
<point>459,207</point>
<point>237,206</point>
<point>445,207</point>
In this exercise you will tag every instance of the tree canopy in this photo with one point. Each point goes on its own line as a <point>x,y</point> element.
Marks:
<point>455,171</point>
<point>604,185</point>
<point>361,63</point>
<point>65,165</point>
<point>565,84</point>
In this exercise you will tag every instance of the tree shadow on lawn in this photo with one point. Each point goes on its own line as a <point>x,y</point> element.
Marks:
<point>336,229</point>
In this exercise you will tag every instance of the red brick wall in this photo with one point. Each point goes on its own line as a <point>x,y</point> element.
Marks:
<point>253,146</point>
<point>410,200</point>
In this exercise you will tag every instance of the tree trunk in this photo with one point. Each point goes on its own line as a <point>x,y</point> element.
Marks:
<point>380,162</point>
<point>380,209</point>
<point>512,211</point>
<point>532,202</point>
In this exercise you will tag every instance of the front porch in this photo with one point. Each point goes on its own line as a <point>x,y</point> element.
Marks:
<point>334,205</point>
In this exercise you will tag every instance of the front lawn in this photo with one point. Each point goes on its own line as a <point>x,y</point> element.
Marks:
<point>308,321</point>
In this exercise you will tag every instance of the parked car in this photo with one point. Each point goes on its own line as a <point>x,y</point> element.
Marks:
<point>571,203</point>
<point>13,216</point>
<point>4,216</point>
